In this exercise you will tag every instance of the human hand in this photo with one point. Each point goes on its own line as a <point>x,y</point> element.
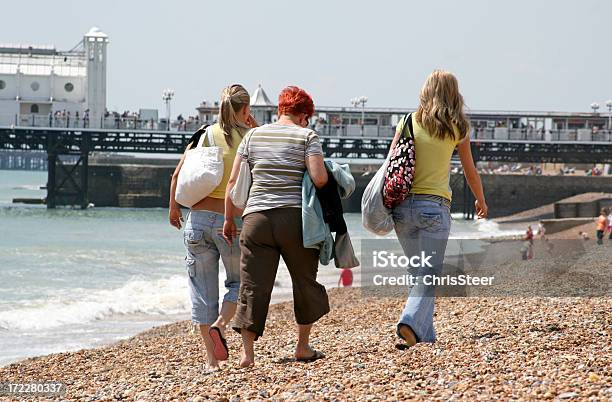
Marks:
<point>481,209</point>
<point>175,217</point>
<point>229,230</point>
<point>251,122</point>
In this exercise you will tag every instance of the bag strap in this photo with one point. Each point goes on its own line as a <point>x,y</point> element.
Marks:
<point>408,119</point>
<point>248,142</point>
<point>207,135</point>
<point>203,129</point>
<point>210,136</point>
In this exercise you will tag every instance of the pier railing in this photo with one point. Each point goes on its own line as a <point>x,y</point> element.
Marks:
<point>112,122</point>
<point>493,133</point>
<point>527,134</point>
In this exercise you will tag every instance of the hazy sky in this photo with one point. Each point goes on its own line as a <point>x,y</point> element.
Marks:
<point>517,55</point>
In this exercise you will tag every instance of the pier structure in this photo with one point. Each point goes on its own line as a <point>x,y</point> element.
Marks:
<point>23,160</point>
<point>68,151</point>
<point>380,122</point>
<point>44,86</point>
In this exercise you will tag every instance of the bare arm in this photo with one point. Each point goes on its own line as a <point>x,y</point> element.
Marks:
<point>229,226</point>
<point>230,208</point>
<point>316,170</point>
<point>472,177</point>
<point>175,215</point>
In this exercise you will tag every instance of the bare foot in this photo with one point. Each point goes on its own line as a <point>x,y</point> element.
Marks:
<point>406,333</point>
<point>210,369</point>
<point>212,363</point>
<point>304,352</point>
<point>247,360</point>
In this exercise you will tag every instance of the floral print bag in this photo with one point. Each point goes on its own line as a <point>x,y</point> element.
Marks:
<point>400,170</point>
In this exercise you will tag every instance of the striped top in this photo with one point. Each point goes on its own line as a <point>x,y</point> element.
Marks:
<point>277,154</point>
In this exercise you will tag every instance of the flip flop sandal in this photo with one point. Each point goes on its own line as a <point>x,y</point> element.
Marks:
<point>220,350</point>
<point>316,356</point>
<point>403,346</point>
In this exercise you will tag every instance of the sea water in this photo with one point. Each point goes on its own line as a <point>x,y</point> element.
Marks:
<point>72,278</point>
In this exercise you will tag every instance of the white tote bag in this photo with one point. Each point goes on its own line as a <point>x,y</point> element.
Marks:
<point>240,192</point>
<point>201,173</point>
<point>374,216</point>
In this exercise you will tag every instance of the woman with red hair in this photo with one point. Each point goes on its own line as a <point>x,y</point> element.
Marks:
<point>279,154</point>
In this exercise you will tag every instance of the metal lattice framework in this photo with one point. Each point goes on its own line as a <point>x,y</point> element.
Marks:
<point>67,182</point>
<point>74,141</point>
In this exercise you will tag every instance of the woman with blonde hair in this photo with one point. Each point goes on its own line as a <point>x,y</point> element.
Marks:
<point>203,230</point>
<point>423,220</point>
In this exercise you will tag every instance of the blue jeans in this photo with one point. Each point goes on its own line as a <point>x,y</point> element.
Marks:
<point>422,226</point>
<point>203,238</point>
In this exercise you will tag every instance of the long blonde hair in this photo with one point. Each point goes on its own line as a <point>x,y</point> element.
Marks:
<point>441,107</point>
<point>233,99</point>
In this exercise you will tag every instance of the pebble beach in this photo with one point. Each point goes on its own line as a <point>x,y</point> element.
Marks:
<point>520,347</point>
<point>488,348</point>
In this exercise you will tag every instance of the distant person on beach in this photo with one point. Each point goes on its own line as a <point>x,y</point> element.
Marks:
<point>279,154</point>
<point>346,278</point>
<point>610,224</point>
<point>525,250</point>
<point>541,230</point>
<point>423,220</point>
<point>203,231</point>
<point>602,225</point>
<point>529,241</point>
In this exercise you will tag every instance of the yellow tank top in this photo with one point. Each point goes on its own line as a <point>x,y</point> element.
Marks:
<point>229,153</point>
<point>432,168</point>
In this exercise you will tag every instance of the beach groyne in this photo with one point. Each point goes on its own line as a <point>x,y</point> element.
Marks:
<point>586,206</point>
<point>148,186</point>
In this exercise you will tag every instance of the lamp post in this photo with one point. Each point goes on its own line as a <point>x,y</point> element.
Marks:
<point>594,106</point>
<point>609,106</point>
<point>167,96</point>
<point>361,100</point>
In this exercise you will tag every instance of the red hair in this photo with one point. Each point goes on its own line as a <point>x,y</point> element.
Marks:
<point>293,100</point>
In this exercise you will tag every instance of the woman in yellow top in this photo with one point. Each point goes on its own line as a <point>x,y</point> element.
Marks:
<point>203,235</point>
<point>422,221</point>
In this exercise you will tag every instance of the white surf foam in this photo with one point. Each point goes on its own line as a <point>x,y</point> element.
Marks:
<point>159,297</point>
<point>478,229</point>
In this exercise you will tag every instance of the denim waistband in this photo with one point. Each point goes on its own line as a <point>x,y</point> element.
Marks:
<point>430,197</point>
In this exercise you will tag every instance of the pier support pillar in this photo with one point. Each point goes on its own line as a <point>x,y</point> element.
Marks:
<point>67,182</point>
<point>468,201</point>
<point>52,161</point>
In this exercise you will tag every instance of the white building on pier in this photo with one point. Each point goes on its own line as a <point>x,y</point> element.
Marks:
<point>40,83</point>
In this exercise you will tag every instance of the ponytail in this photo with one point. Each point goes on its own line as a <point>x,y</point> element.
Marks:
<point>233,99</point>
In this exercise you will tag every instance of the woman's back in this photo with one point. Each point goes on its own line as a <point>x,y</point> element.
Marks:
<point>229,154</point>
<point>433,155</point>
<point>277,155</point>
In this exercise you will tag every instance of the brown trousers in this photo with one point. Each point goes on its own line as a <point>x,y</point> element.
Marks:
<point>266,236</point>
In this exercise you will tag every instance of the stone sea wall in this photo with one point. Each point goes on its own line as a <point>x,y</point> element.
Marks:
<point>146,186</point>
